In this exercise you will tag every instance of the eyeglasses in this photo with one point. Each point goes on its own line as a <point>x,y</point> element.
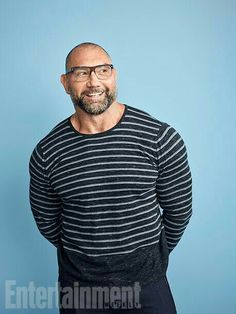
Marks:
<point>82,74</point>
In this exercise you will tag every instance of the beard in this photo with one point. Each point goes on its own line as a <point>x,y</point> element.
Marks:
<point>93,106</point>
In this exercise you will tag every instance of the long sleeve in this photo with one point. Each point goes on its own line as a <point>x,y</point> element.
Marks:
<point>45,204</point>
<point>174,184</point>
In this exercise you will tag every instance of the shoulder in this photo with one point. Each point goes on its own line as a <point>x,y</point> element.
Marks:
<point>164,132</point>
<point>143,116</point>
<point>57,133</point>
<point>146,119</point>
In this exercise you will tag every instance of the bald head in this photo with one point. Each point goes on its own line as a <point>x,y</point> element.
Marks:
<point>81,48</point>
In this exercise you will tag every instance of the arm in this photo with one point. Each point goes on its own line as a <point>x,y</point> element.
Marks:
<point>45,204</point>
<point>174,185</point>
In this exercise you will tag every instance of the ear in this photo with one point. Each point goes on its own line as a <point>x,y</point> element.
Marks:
<point>64,82</point>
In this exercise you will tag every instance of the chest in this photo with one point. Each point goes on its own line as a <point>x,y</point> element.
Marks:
<point>104,168</point>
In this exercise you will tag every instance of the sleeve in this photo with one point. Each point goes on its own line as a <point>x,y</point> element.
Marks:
<point>45,204</point>
<point>174,185</point>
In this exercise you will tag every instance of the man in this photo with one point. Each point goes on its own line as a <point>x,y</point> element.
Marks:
<point>98,182</point>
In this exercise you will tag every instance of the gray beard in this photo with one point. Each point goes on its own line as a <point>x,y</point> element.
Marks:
<point>94,108</point>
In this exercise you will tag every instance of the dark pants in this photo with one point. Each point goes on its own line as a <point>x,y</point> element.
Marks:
<point>154,299</point>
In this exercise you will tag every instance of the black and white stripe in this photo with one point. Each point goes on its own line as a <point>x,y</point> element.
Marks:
<point>100,195</point>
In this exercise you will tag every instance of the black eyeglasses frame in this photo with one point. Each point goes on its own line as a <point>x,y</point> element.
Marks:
<point>92,69</point>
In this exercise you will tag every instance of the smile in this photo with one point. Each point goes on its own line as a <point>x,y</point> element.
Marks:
<point>94,94</point>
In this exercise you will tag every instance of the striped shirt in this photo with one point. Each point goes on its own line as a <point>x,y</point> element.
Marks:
<point>113,203</point>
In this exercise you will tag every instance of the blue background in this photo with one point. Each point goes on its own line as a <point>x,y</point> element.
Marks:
<point>175,60</point>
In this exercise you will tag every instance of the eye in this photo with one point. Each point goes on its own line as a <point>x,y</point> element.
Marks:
<point>81,73</point>
<point>103,70</point>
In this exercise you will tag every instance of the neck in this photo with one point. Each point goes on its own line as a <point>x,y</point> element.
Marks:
<point>91,124</point>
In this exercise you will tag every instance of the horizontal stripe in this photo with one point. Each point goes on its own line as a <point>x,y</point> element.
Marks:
<point>109,254</point>
<point>102,195</point>
<point>108,233</point>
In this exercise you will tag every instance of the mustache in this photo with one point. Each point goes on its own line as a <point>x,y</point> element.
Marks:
<point>94,90</point>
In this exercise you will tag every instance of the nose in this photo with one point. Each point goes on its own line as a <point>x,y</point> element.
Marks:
<point>93,80</point>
